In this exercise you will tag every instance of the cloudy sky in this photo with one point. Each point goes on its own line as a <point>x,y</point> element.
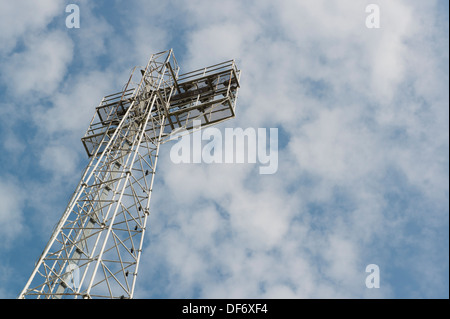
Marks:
<point>363,150</point>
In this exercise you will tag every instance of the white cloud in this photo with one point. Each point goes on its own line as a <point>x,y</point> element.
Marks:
<point>93,36</point>
<point>11,217</point>
<point>60,160</point>
<point>41,67</point>
<point>365,119</point>
<point>20,18</point>
<point>73,107</point>
<point>339,136</point>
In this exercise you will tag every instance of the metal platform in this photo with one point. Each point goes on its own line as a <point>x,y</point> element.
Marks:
<point>207,95</point>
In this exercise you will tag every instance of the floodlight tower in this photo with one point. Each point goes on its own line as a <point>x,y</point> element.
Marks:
<point>95,248</point>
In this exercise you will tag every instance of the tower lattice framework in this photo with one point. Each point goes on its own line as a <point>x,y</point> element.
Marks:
<point>95,248</point>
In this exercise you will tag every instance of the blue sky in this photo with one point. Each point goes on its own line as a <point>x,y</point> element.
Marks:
<point>363,168</point>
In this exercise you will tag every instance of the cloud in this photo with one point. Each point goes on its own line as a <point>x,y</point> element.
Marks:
<point>60,160</point>
<point>24,18</point>
<point>363,151</point>
<point>41,66</point>
<point>338,89</point>
<point>11,217</point>
<point>72,108</point>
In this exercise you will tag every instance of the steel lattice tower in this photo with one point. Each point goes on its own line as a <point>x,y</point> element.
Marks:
<point>95,248</point>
